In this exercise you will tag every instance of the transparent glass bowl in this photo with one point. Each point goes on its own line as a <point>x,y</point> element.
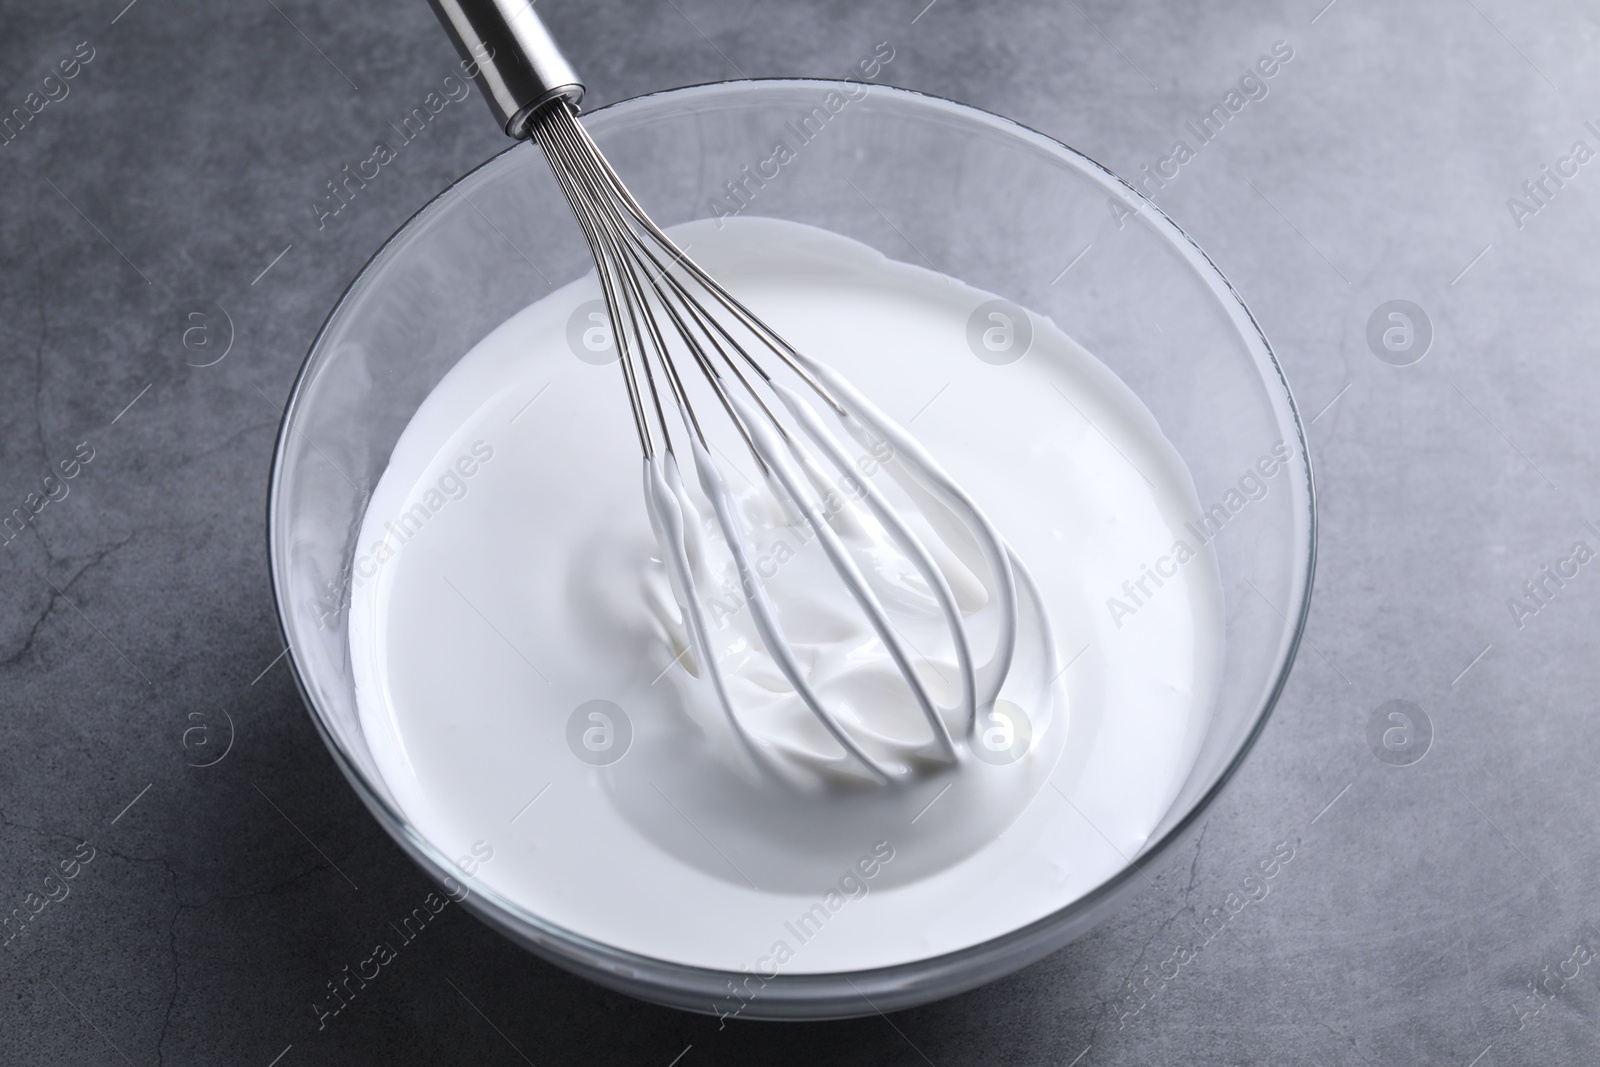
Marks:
<point>922,179</point>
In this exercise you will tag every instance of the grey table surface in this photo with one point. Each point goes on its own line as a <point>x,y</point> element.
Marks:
<point>1435,911</point>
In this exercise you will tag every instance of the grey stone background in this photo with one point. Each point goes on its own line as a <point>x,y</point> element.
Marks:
<point>1433,912</point>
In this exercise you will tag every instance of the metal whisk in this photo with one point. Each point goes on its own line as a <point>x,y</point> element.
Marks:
<point>679,332</point>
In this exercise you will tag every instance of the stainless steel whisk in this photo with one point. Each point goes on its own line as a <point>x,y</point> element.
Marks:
<point>665,310</point>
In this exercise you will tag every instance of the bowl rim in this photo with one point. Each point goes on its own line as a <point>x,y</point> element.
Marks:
<point>812,995</point>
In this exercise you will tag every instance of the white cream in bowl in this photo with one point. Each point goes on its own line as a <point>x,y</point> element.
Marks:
<point>519,680</point>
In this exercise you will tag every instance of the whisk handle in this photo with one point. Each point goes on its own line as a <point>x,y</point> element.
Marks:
<point>517,64</point>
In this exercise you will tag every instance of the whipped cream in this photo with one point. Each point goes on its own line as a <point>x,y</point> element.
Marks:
<point>521,668</point>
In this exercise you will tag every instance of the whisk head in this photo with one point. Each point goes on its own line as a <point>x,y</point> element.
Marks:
<point>690,352</point>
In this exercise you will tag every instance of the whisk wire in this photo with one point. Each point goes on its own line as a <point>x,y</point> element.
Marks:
<point>644,275</point>
<point>580,151</point>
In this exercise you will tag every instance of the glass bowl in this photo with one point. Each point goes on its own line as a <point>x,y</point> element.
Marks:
<point>924,180</point>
